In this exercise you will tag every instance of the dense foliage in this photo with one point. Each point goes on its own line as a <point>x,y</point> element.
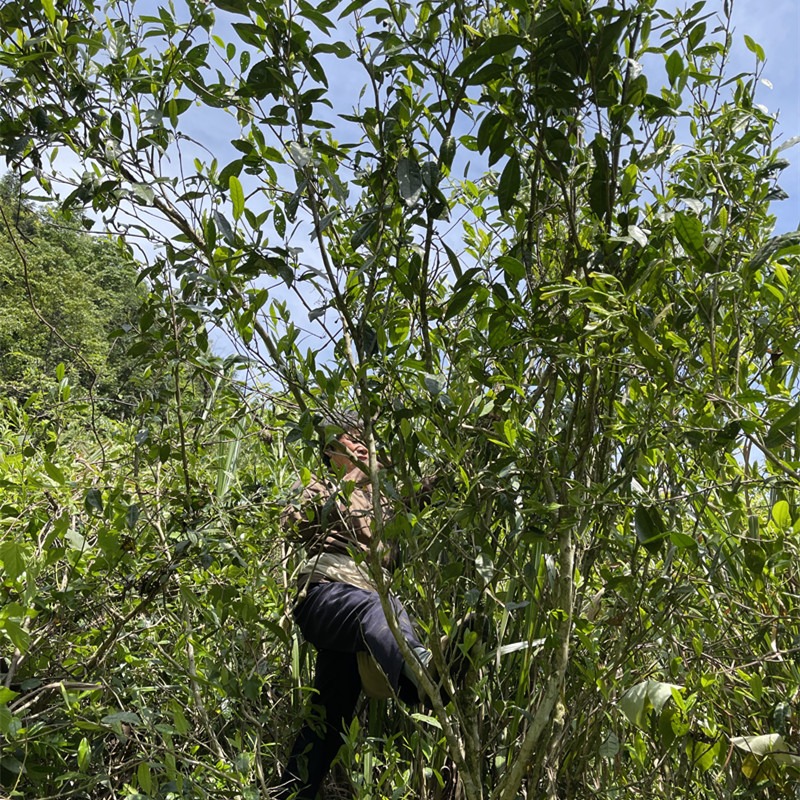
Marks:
<point>67,298</point>
<point>534,271</point>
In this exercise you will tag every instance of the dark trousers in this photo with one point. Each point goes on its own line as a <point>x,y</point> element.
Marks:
<point>340,620</point>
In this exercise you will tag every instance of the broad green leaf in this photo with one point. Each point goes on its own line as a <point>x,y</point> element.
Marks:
<point>791,142</point>
<point>638,235</point>
<point>701,754</point>
<point>12,554</point>
<point>447,151</point>
<point>639,699</point>
<point>781,514</point>
<point>18,635</point>
<point>634,704</point>
<point>513,268</point>
<point>54,472</point>
<point>610,747</point>
<point>179,720</point>
<point>143,192</point>
<point>49,10</point>
<point>767,746</point>
<point>93,501</point>
<point>489,48</point>
<point>779,429</point>
<point>237,196</point>
<point>301,155</point>
<point>263,79</point>
<point>681,539</point>
<point>234,6</point>
<point>409,180</point>
<point>428,720</point>
<point>84,754</point>
<point>6,720</point>
<point>772,248</point>
<point>754,47</point>
<point>144,777</point>
<point>755,558</point>
<point>132,516</point>
<point>484,567</point>
<point>672,723</point>
<point>674,66</point>
<point>649,526</point>
<point>509,183</point>
<point>689,231</point>
<point>434,383</point>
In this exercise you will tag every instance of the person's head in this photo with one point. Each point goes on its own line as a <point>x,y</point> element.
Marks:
<point>342,442</point>
<point>347,452</point>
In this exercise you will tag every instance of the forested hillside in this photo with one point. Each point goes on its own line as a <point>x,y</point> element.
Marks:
<point>530,246</point>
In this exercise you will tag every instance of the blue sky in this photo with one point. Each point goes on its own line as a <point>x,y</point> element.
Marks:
<point>775,25</point>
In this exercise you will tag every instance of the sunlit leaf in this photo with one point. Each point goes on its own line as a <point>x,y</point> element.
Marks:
<point>237,196</point>
<point>409,180</point>
<point>781,514</point>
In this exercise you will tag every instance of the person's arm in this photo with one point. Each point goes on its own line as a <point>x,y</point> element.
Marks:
<point>306,518</point>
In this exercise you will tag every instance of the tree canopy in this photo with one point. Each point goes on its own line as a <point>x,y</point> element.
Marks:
<point>533,249</point>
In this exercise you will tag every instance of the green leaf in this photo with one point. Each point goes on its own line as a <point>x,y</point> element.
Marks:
<point>143,192</point>
<point>514,269</point>
<point>409,180</point>
<point>12,554</point>
<point>781,514</point>
<point>84,754</point>
<point>674,66</point>
<point>701,754</point>
<point>144,777</point>
<point>447,151</point>
<point>93,501</point>
<point>650,529</point>
<point>18,635</point>
<point>639,699</point>
<point>434,383</point>
<point>234,6</point>
<point>302,156</point>
<point>132,516</point>
<point>426,719</point>
<point>755,558</point>
<point>224,227</point>
<point>689,231</point>
<point>54,472</point>
<point>237,196</point>
<point>754,47</point>
<point>610,747</point>
<point>459,301</point>
<point>491,47</point>
<point>179,720</point>
<point>485,568</point>
<point>509,183</point>
<point>681,539</point>
<point>6,720</point>
<point>772,248</point>
<point>769,746</point>
<point>339,49</point>
<point>777,431</point>
<point>49,10</point>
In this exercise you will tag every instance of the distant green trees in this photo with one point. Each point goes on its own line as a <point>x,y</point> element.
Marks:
<point>63,293</point>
